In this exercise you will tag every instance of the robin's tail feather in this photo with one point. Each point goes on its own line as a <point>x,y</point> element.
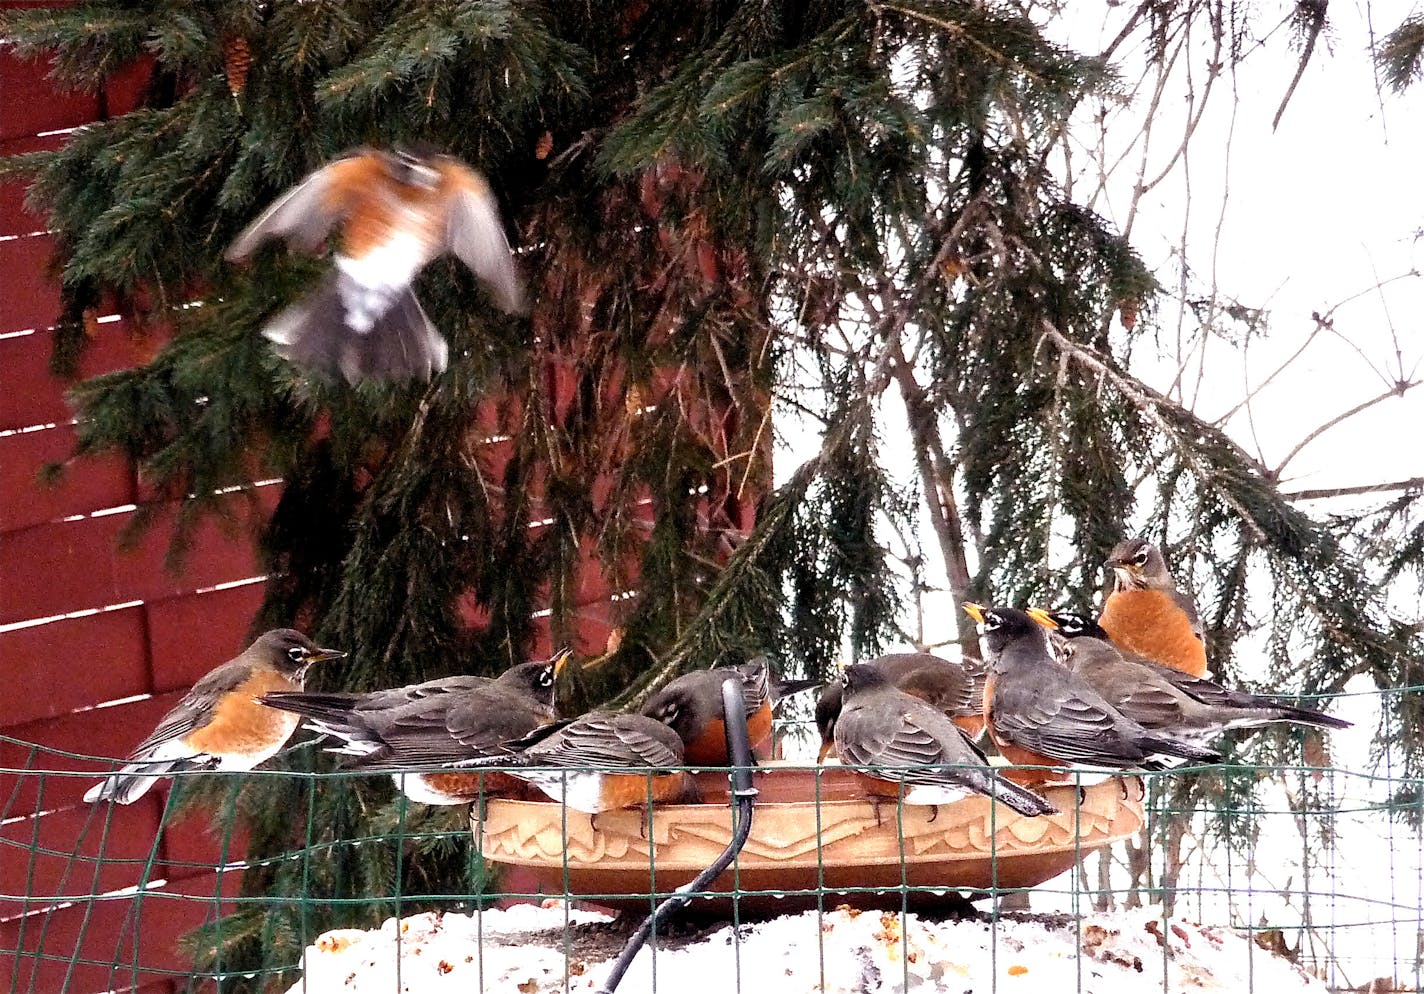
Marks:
<point>136,779</point>
<point>1022,800</point>
<point>1306,716</point>
<point>333,708</point>
<point>316,334</point>
<point>1179,748</point>
<point>330,714</point>
<point>785,688</point>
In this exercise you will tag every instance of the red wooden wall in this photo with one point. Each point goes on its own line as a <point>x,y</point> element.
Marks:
<point>84,624</point>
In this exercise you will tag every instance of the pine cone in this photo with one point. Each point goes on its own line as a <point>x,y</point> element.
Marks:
<point>91,322</point>
<point>237,59</point>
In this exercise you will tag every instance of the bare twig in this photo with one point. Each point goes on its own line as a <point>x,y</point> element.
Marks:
<point>1398,390</point>
<point>1324,493</point>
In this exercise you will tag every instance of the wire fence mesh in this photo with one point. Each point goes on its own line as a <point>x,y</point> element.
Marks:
<point>1317,863</point>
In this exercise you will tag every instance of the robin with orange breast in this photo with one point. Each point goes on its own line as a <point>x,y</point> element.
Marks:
<point>393,212</point>
<point>602,761</point>
<point>1145,613</point>
<point>692,706</point>
<point>409,729</point>
<point>1041,714</point>
<point>900,746</point>
<point>218,725</point>
<point>947,686</point>
<point>1162,698</point>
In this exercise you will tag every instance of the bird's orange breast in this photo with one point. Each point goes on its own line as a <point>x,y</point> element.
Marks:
<point>631,790</point>
<point>239,725</point>
<point>1151,624</point>
<point>469,786</point>
<point>376,208</point>
<point>709,746</point>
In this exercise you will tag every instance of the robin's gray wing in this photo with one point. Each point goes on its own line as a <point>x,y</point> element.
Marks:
<point>447,728</point>
<point>611,740</point>
<point>886,736</point>
<point>381,700</point>
<point>474,234</point>
<point>923,737</point>
<point>484,720</point>
<point>303,215</point>
<point>196,708</point>
<point>1056,714</point>
<point>756,683</point>
<point>1189,608</point>
<point>1141,693</point>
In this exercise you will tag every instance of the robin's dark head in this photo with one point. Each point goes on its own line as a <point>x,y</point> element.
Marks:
<point>860,677</point>
<point>1069,624</point>
<point>1137,565</point>
<point>412,167</point>
<point>674,707</point>
<point>290,652</point>
<point>828,709</point>
<point>1002,626</point>
<point>538,681</point>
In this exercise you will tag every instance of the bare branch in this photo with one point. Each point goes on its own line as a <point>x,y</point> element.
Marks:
<point>1315,11</point>
<point>1398,390</point>
<point>1324,493</point>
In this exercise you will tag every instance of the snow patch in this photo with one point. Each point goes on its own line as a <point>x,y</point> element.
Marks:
<point>523,948</point>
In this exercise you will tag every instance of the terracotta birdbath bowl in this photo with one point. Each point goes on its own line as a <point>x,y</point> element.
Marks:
<point>797,846</point>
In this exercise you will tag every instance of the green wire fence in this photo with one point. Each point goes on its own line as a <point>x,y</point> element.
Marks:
<point>1322,864</point>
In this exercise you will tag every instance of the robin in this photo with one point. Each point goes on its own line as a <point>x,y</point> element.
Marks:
<point>1145,613</point>
<point>1040,714</point>
<point>599,762</point>
<point>1161,698</point>
<point>434,723</point>
<point>952,688</point>
<point>692,706</point>
<point>898,743</point>
<point>218,725</point>
<point>394,212</point>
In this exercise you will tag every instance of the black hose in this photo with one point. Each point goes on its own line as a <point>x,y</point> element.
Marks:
<point>739,749</point>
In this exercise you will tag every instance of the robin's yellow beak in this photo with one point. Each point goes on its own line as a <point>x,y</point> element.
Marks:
<point>975,611</point>
<point>561,657</point>
<point>1042,616</point>
<point>322,655</point>
<point>826,748</point>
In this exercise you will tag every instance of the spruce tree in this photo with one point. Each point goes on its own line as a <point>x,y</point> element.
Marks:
<point>716,205</point>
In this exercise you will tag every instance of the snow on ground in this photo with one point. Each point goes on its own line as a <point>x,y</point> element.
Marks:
<point>523,949</point>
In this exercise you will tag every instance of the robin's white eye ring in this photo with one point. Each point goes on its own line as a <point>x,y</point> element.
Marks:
<point>297,653</point>
<point>1140,559</point>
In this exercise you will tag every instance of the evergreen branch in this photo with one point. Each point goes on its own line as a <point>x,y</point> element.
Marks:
<point>1401,57</point>
<point>1151,403</point>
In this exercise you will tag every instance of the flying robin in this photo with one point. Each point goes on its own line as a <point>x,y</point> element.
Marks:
<point>941,683</point>
<point>435,723</point>
<point>692,706</point>
<point>896,742</point>
<point>1145,613</point>
<point>1161,698</point>
<point>394,212</point>
<point>599,762</point>
<point>1040,714</point>
<point>218,725</point>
